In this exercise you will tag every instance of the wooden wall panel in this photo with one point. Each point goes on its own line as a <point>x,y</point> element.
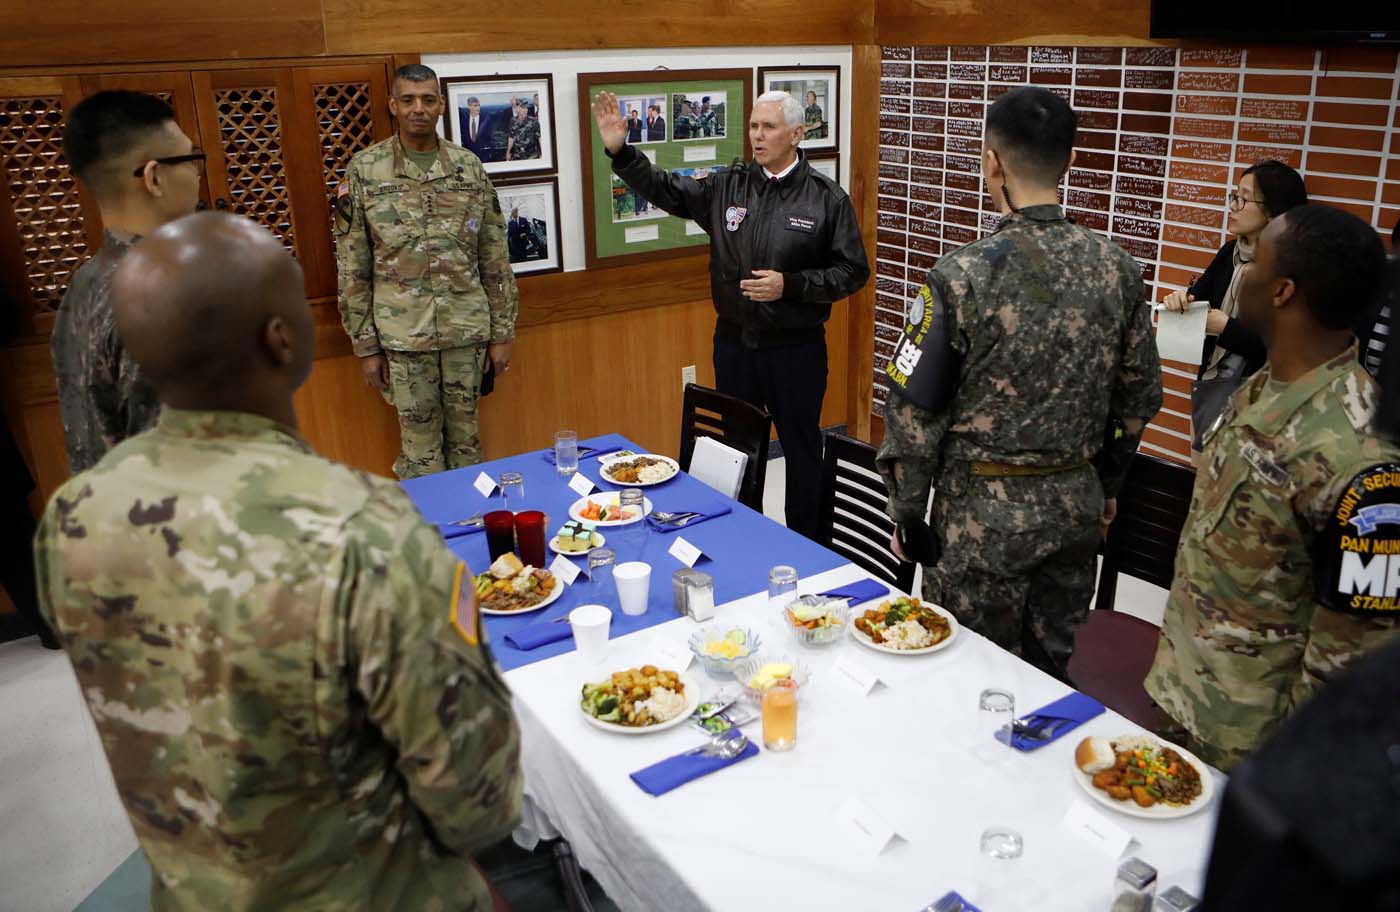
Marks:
<point>1101,22</point>
<point>444,26</point>
<point>61,32</point>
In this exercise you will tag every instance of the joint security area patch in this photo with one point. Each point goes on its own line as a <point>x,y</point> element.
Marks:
<point>924,368</point>
<point>1356,558</point>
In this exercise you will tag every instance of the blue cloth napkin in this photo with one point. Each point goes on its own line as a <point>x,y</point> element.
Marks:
<point>451,530</point>
<point>674,772</point>
<point>1075,709</point>
<point>708,510</point>
<point>540,634</point>
<point>860,591</point>
<point>584,452</point>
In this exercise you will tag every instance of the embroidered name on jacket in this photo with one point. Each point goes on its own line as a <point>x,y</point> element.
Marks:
<point>799,223</point>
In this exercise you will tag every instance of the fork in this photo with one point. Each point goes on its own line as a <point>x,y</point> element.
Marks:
<point>674,519</point>
<point>725,745</point>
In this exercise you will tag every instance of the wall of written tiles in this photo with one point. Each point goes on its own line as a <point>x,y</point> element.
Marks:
<point>1164,133</point>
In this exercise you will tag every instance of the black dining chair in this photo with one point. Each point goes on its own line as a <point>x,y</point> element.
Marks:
<point>851,517</point>
<point>1113,651</point>
<point>735,423</point>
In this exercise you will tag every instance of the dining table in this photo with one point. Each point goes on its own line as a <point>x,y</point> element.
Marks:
<point>882,803</point>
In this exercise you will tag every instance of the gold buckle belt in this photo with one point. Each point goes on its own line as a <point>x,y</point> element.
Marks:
<point>1000,470</point>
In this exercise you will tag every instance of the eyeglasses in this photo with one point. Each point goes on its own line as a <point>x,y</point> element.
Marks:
<point>1238,202</point>
<point>197,156</point>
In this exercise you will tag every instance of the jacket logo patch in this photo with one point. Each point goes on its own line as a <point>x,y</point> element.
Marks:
<point>733,216</point>
<point>798,223</point>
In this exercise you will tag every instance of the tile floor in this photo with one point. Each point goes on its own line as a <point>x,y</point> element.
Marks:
<point>64,828</point>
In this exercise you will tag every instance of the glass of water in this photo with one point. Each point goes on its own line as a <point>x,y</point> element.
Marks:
<point>782,586</point>
<point>513,490</point>
<point>566,452</point>
<point>996,708</point>
<point>999,849</point>
<point>602,586</point>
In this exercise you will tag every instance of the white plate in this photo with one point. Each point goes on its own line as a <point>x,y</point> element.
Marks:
<point>603,470</point>
<point>550,599</point>
<point>860,637</point>
<point>1157,811</point>
<point>598,542</point>
<point>602,498</point>
<point>692,700</point>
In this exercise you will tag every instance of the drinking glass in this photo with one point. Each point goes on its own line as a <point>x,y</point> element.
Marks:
<point>780,717</point>
<point>566,452</point>
<point>512,490</point>
<point>782,586</point>
<point>500,532</point>
<point>630,541</point>
<point>530,527</point>
<point>602,586</point>
<point>996,708</point>
<point>999,849</point>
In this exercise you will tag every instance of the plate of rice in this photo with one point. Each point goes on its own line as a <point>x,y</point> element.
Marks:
<point>640,471</point>
<point>905,626</point>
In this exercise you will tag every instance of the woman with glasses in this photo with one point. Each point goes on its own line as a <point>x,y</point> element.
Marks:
<point>1233,351</point>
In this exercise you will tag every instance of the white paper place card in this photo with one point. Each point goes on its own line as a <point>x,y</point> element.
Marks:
<point>685,552</point>
<point>700,153</point>
<point>581,484</point>
<point>864,827</point>
<point>1096,829</point>
<point>855,676</point>
<point>673,655</point>
<point>692,229</point>
<point>650,154</point>
<point>565,569</point>
<point>485,484</point>
<point>641,233</point>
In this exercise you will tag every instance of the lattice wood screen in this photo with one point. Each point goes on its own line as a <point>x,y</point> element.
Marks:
<point>251,131</point>
<point>345,125</point>
<point>47,209</point>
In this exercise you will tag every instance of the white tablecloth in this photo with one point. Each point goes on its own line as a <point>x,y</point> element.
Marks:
<point>763,834</point>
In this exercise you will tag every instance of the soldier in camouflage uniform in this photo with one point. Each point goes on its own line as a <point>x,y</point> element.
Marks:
<point>1254,625</point>
<point>143,170</point>
<point>1017,352</point>
<point>282,658</point>
<point>426,289</point>
<point>524,142</point>
<point>707,121</point>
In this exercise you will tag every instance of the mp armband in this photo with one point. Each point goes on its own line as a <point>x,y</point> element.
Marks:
<point>1356,557</point>
<point>924,368</point>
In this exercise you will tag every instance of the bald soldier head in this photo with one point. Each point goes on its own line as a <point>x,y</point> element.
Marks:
<point>211,308</point>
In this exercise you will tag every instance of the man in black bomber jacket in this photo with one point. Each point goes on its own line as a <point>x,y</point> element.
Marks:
<point>784,246</point>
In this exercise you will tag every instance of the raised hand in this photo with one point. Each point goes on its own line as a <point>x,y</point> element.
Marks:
<point>611,127</point>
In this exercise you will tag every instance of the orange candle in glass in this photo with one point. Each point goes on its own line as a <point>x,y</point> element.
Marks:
<point>780,716</point>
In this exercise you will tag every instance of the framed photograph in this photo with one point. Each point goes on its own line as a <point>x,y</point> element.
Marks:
<point>829,166</point>
<point>507,121</point>
<point>531,210</point>
<point>818,90</point>
<point>693,123</point>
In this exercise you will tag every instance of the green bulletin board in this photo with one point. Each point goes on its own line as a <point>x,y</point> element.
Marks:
<point>612,210</point>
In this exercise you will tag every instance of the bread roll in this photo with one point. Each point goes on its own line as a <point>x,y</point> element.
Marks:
<point>506,566</point>
<point>1094,755</point>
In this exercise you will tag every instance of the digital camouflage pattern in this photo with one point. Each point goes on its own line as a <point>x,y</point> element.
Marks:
<point>1243,641</point>
<point>707,123</point>
<point>102,396</point>
<point>1050,325</point>
<point>435,394</point>
<point>287,684</point>
<point>423,264</point>
<point>424,267</point>
<point>526,139</point>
